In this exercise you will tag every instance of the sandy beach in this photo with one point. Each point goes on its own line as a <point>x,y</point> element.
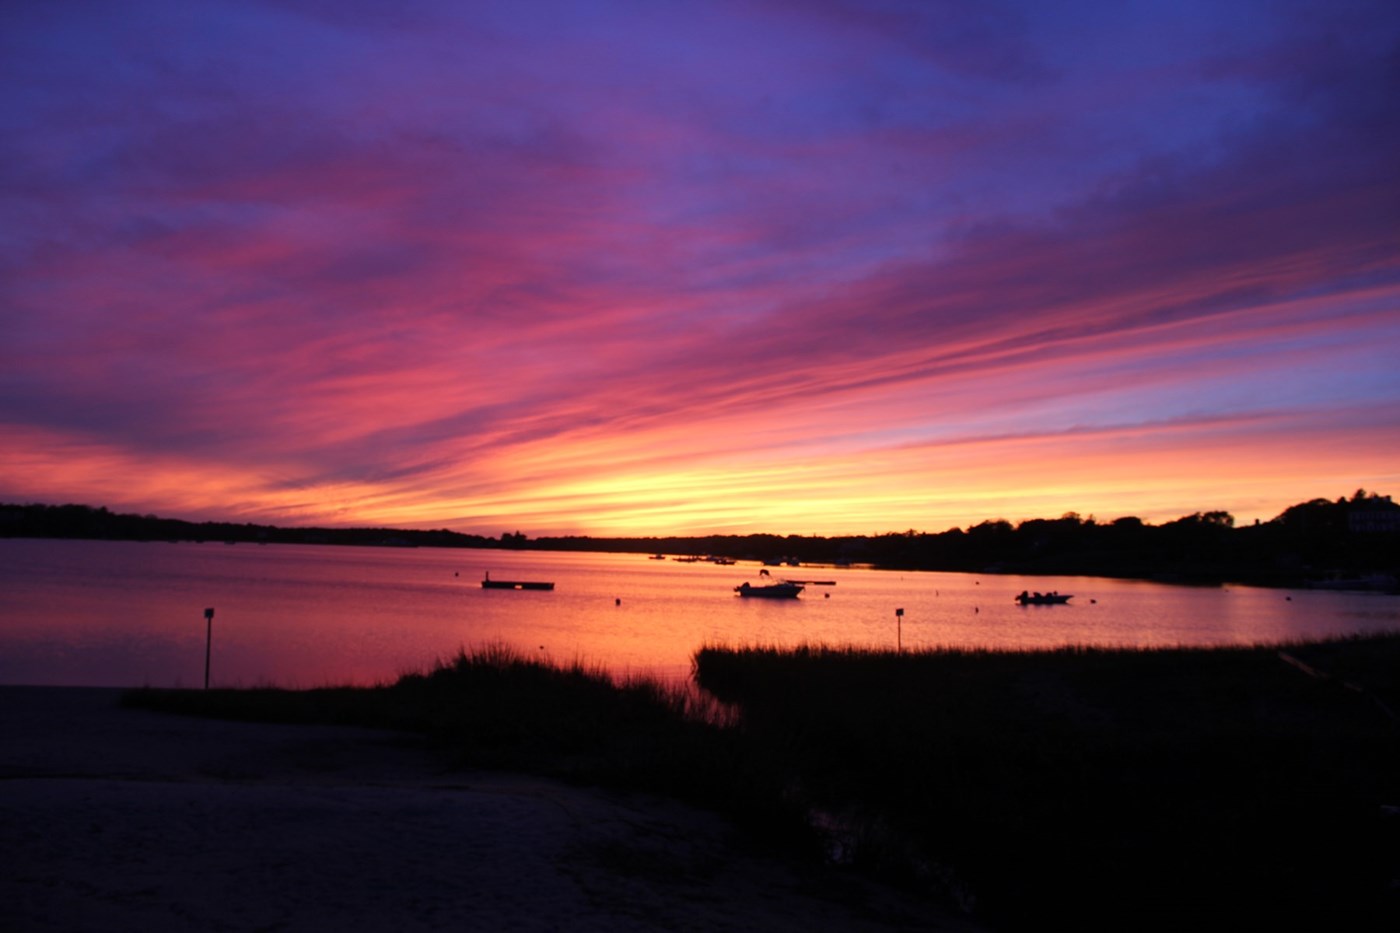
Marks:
<point>114,819</point>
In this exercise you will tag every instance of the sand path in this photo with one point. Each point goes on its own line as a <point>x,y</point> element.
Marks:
<point>114,819</point>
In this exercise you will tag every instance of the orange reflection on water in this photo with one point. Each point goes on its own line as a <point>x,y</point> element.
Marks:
<point>131,614</point>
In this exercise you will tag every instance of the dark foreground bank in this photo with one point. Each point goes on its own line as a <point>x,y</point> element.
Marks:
<point>120,819</point>
<point>1190,788</point>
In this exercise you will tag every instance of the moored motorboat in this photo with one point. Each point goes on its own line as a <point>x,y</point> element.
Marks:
<point>1375,582</point>
<point>1043,599</point>
<point>780,590</point>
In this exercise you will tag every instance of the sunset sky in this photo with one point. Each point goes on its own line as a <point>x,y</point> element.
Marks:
<point>839,266</point>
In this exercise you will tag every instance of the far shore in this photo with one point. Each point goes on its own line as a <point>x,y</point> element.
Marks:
<point>1349,542</point>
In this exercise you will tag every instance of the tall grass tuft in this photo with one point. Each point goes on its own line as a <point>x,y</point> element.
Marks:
<point>495,707</point>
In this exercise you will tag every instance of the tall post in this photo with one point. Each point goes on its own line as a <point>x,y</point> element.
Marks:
<point>208,640</point>
<point>899,630</point>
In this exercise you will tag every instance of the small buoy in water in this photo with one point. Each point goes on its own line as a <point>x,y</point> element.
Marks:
<point>617,601</point>
<point>826,595</point>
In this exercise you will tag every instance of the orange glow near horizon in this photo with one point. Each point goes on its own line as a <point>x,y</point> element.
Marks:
<point>1151,471</point>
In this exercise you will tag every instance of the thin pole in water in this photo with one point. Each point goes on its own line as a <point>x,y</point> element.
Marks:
<point>899,630</point>
<point>208,640</point>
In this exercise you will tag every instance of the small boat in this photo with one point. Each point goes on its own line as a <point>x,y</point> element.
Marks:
<point>781,590</point>
<point>488,584</point>
<point>1043,599</point>
<point>1376,582</point>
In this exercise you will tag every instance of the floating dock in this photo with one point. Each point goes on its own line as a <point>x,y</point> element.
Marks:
<point>488,584</point>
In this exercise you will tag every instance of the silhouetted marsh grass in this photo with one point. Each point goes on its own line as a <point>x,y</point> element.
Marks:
<point>494,707</point>
<point>1083,786</point>
<point>1116,788</point>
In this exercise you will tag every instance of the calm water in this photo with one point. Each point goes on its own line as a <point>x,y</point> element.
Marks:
<point>130,614</point>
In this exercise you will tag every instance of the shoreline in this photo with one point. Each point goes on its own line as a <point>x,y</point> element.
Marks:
<point>129,819</point>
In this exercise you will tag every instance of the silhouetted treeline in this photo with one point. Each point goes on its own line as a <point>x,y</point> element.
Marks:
<point>82,521</point>
<point>1311,541</point>
<point>1317,540</point>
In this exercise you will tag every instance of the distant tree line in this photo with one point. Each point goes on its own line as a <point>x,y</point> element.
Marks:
<point>1349,536</point>
<point>83,521</point>
<point>1357,535</point>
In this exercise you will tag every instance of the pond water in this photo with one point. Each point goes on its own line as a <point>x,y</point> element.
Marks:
<point>118,613</point>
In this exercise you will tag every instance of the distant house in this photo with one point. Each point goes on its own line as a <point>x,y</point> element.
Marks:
<point>1374,515</point>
